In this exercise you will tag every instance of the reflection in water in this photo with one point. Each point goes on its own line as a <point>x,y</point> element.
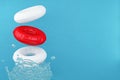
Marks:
<point>28,70</point>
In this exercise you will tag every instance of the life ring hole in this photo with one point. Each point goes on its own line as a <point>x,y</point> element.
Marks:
<point>29,54</point>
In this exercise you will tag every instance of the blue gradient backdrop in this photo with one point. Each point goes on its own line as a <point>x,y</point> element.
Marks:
<point>82,34</point>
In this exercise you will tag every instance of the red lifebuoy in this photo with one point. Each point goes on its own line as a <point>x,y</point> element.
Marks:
<point>29,35</point>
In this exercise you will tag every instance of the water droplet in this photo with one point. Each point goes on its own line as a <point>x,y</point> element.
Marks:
<point>53,58</point>
<point>13,45</point>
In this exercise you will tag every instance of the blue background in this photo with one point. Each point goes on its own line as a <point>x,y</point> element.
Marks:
<point>82,34</point>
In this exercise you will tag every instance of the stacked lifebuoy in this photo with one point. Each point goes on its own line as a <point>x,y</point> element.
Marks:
<point>30,35</point>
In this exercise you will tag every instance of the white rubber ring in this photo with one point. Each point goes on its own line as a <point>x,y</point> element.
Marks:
<point>30,14</point>
<point>35,54</point>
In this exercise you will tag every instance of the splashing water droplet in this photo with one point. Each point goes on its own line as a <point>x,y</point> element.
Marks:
<point>53,58</point>
<point>13,45</point>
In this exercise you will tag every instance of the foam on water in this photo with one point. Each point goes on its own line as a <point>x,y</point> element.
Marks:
<point>29,70</point>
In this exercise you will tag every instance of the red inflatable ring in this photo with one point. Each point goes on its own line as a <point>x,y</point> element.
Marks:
<point>29,35</point>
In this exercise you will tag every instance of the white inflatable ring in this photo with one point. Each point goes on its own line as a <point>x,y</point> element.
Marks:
<point>35,54</point>
<point>30,14</point>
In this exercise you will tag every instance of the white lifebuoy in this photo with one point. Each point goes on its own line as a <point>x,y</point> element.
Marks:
<point>30,14</point>
<point>35,54</point>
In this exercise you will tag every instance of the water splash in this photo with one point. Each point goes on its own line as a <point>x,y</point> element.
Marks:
<point>29,70</point>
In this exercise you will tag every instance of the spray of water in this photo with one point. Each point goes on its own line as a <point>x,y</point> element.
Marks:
<point>29,70</point>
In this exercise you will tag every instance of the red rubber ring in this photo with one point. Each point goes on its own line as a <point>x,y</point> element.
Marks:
<point>29,35</point>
